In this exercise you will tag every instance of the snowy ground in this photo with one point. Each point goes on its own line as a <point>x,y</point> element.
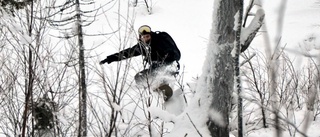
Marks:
<point>189,23</point>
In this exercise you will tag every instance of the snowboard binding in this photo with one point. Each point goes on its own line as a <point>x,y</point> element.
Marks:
<point>166,90</point>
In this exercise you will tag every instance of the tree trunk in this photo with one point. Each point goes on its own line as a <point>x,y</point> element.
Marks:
<point>30,81</point>
<point>236,65</point>
<point>82,78</point>
<point>223,71</point>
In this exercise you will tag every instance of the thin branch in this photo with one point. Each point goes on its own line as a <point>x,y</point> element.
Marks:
<point>247,59</point>
<point>194,125</point>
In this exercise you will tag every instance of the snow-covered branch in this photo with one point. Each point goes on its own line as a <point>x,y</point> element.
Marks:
<point>248,33</point>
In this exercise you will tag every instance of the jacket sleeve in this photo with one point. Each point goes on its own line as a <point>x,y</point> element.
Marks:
<point>124,54</point>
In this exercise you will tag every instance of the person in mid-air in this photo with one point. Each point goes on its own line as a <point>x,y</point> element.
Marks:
<point>158,49</point>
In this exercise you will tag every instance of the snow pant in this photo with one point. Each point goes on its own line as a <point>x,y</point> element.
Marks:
<point>155,69</point>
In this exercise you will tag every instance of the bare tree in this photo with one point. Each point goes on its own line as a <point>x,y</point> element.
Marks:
<point>76,22</point>
<point>82,75</point>
<point>256,83</point>
<point>32,51</point>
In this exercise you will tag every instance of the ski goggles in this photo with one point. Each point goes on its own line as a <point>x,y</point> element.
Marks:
<point>144,30</point>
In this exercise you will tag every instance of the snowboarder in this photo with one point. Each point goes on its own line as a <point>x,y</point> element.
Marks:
<point>159,51</point>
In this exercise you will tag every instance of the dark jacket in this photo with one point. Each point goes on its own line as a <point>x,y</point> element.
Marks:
<point>162,50</point>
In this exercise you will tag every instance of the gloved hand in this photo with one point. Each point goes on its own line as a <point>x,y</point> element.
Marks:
<point>105,61</point>
<point>102,62</point>
<point>108,60</point>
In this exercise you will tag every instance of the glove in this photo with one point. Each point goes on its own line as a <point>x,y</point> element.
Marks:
<point>102,62</point>
<point>105,61</point>
<point>108,60</point>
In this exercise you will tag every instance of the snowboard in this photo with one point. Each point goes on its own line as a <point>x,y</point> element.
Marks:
<point>166,90</point>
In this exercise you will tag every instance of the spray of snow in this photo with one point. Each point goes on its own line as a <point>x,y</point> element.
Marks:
<point>176,104</point>
<point>156,112</point>
<point>162,75</point>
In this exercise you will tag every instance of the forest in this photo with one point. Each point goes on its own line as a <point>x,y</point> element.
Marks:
<point>248,68</point>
